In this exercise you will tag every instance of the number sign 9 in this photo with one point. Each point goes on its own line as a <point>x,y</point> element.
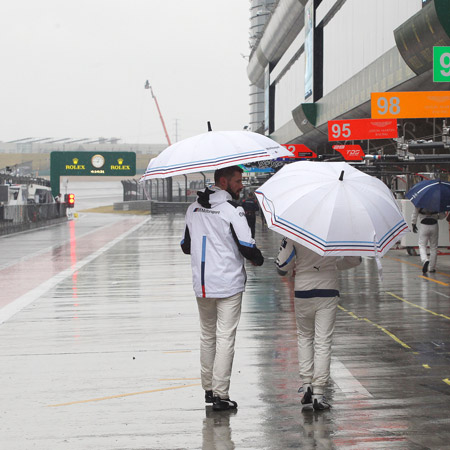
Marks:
<point>441,64</point>
<point>444,61</point>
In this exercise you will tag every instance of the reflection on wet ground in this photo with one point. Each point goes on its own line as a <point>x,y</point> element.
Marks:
<point>99,348</point>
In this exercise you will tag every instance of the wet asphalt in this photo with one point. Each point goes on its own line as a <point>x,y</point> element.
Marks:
<point>99,348</point>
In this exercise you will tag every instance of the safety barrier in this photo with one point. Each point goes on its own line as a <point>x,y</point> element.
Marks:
<point>15,218</point>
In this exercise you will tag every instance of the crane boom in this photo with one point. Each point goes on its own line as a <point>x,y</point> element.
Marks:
<point>147,86</point>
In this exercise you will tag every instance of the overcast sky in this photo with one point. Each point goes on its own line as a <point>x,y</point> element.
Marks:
<point>78,68</point>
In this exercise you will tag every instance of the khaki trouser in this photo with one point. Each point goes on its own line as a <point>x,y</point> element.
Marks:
<point>219,318</point>
<point>315,325</point>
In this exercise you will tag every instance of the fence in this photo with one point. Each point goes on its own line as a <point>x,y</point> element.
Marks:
<point>133,190</point>
<point>184,188</point>
<point>6,178</point>
<point>24,217</point>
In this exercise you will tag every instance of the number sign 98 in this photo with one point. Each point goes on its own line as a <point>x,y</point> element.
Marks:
<point>392,105</point>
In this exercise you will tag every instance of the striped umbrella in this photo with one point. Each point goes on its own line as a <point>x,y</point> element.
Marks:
<point>332,208</point>
<point>213,150</point>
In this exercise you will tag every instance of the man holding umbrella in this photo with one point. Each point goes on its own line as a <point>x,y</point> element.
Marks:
<point>218,238</point>
<point>331,214</point>
<point>428,234</point>
<point>316,300</point>
<point>431,199</point>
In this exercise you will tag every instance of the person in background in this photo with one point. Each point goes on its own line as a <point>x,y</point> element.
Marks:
<point>58,203</point>
<point>218,238</point>
<point>428,230</point>
<point>448,220</point>
<point>250,205</point>
<point>315,301</point>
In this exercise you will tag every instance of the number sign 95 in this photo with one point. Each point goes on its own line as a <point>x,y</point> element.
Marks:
<point>351,129</point>
<point>340,131</point>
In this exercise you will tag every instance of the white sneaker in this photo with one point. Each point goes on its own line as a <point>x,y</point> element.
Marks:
<point>320,403</point>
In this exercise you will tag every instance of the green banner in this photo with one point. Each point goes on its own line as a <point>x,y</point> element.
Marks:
<point>90,164</point>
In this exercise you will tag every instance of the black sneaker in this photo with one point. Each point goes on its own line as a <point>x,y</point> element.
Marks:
<point>222,404</point>
<point>307,397</point>
<point>209,397</point>
<point>319,403</point>
<point>425,267</point>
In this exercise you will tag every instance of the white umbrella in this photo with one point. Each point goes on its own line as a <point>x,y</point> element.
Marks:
<point>332,208</point>
<point>213,150</point>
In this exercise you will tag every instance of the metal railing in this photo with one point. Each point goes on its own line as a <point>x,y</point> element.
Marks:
<point>133,190</point>
<point>184,188</point>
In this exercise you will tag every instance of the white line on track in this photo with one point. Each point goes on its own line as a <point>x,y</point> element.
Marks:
<point>46,249</point>
<point>346,382</point>
<point>17,305</point>
<point>440,293</point>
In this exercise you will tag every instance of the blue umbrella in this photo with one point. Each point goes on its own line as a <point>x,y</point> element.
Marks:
<point>433,195</point>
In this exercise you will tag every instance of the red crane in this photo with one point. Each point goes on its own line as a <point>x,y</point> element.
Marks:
<point>147,86</point>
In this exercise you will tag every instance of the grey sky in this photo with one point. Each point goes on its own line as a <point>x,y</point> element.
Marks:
<point>77,68</point>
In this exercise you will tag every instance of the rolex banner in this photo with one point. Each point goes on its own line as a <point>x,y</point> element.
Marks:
<point>97,163</point>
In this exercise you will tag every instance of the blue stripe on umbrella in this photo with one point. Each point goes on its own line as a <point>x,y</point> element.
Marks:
<point>205,161</point>
<point>333,245</point>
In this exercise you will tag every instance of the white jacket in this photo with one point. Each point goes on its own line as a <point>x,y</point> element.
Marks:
<point>315,275</point>
<point>426,217</point>
<point>217,237</point>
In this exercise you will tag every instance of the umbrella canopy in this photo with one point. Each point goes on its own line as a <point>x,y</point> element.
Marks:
<point>213,150</point>
<point>332,208</point>
<point>433,195</point>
